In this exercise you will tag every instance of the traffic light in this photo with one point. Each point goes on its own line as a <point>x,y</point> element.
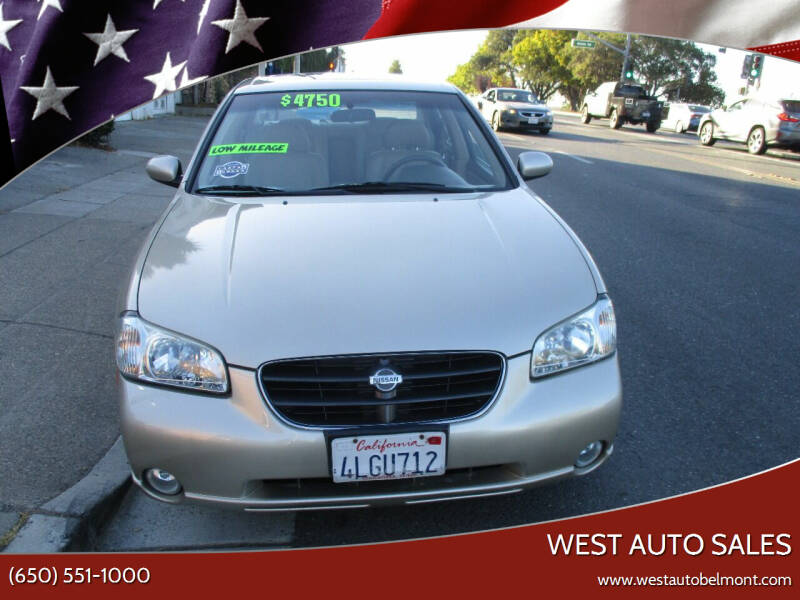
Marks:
<point>629,74</point>
<point>758,64</point>
<point>330,66</point>
<point>747,66</point>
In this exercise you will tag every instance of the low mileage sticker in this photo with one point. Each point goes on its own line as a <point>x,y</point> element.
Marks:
<point>249,148</point>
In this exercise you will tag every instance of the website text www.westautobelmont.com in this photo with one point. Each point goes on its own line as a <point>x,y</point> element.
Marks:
<point>699,580</point>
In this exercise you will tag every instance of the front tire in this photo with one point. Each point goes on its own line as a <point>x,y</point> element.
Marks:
<point>615,122</point>
<point>707,134</point>
<point>757,141</point>
<point>496,122</point>
<point>585,116</point>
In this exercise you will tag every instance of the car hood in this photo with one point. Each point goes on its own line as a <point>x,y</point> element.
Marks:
<point>262,280</point>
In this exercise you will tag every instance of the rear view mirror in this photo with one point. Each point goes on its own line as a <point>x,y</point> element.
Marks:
<point>534,164</point>
<point>165,169</point>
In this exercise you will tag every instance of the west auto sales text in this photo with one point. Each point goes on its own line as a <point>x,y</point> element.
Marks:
<point>659,544</point>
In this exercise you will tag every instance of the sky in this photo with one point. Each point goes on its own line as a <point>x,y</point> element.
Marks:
<point>434,57</point>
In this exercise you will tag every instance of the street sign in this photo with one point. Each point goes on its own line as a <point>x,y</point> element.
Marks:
<point>583,43</point>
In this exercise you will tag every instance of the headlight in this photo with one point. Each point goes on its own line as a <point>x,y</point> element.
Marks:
<point>511,111</point>
<point>152,354</point>
<point>582,339</point>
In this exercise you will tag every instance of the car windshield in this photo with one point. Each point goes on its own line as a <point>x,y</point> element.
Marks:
<point>515,96</point>
<point>635,91</point>
<point>347,142</point>
<point>791,106</point>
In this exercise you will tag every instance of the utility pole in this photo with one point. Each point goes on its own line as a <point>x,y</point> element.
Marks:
<point>296,64</point>
<point>626,58</point>
<point>626,53</point>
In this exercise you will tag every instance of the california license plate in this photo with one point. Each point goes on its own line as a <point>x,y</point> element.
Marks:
<point>533,120</point>
<point>394,456</point>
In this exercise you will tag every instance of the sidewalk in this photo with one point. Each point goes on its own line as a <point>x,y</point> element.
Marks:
<point>69,229</point>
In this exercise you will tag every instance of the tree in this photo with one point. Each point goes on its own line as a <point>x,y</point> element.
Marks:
<point>491,65</point>
<point>675,68</point>
<point>591,67</point>
<point>546,62</point>
<point>395,67</point>
<point>542,64</point>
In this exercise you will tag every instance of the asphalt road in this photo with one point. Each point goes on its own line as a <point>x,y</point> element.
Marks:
<point>699,250</point>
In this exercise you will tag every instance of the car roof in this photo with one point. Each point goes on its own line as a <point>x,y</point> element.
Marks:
<point>340,81</point>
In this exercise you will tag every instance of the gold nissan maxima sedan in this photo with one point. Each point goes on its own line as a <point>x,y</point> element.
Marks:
<point>355,299</point>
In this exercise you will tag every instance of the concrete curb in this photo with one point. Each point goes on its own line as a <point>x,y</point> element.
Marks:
<point>70,521</point>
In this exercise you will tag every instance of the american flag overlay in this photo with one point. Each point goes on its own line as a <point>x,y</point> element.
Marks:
<point>67,66</point>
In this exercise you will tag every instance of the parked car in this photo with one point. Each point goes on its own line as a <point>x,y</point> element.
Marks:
<point>511,108</point>
<point>680,116</point>
<point>368,309</point>
<point>622,102</point>
<point>757,122</point>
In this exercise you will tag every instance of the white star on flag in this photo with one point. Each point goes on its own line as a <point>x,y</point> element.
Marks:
<point>203,13</point>
<point>53,3</point>
<point>186,81</point>
<point>165,79</point>
<point>157,2</point>
<point>240,28</point>
<point>49,96</point>
<point>5,27</point>
<point>110,41</point>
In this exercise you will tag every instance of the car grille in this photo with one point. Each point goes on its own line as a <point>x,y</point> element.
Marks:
<point>530,114</point>
<point>336,391</point>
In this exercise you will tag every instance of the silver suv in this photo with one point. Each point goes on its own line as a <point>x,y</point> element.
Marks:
<point>360,304</point>
<point>756,122</point>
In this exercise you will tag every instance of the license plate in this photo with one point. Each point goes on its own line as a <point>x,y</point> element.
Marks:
<point>394,456</point>
<point>645,114</point>
<point>533,120</point>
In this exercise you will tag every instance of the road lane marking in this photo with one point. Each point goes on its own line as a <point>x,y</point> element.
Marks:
<point>578,158</point>
<point>784,159</point>
<point>748,172</point>
<point>527,139</point>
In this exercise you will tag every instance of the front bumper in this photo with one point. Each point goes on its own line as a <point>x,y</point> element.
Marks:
<point>235,452</point>
<point>516,121</point>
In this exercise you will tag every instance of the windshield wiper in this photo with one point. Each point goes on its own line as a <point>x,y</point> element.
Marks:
<point>240,190</point>
<point>377,187</point>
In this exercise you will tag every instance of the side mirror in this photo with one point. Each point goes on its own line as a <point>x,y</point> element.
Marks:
<point>165,169</point>
<point>534,164</point>
<point>480,103</point>
<point>724,107</point>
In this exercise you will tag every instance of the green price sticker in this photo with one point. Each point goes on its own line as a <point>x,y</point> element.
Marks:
<point>306,100</point>
<point>262,148</point>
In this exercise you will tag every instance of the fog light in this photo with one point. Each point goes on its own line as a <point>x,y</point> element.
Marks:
<point>162,481</point>
<point>589,454</point>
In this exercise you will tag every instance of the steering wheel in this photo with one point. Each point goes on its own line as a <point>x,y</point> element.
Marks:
<point>424,158</point>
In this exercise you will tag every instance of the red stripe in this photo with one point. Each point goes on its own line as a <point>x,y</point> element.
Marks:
<point>416,16</point>
<point>790,50</point>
